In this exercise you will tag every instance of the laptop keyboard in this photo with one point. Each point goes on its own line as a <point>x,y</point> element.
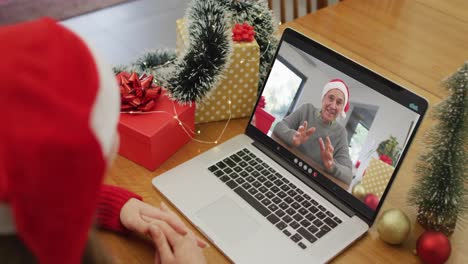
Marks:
<point>296,214</point>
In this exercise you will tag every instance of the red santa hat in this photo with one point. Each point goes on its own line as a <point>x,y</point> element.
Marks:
<point>61,109</point>
<point>340,85</point>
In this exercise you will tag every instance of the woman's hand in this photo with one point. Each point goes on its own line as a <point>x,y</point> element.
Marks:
<point>302,134</point>
<point>326,152</point>
<point>137,216</point>
<point>174,248</point>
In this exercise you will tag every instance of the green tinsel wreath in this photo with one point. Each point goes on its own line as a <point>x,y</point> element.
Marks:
<point>191,76</point>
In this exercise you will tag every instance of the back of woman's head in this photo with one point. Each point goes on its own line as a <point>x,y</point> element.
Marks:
<point>60,105</point>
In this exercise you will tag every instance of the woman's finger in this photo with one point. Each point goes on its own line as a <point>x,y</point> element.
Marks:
<point>164,207</point>
<point>162,245</point>
<point>174,216</point>
<point>149,213</point>
<point>200,241</point>
<point>136,224</point>
<point>171,235</point>
<point>149,217</point>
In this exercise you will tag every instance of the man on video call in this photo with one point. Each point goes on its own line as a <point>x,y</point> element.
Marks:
<point>315,132</point>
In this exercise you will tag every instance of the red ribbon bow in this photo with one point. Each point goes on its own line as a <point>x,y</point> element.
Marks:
<point>262,102</point>
<point>243,32</point>
<point>386,159</point>
<point>137,93</point>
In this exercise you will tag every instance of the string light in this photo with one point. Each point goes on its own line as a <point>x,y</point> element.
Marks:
<point>261,55</point>
<point>186,128</point>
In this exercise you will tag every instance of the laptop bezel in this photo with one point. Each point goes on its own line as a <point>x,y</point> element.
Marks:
<point>362,74</point>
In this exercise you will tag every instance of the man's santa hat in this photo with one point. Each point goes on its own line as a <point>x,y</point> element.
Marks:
<point>340,85</point>
<point>60,106</point>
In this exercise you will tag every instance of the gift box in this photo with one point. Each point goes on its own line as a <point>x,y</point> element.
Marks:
<point>376,178</point>
<point>263,120</point>
<point>150,138</point>
<point>239,85</point>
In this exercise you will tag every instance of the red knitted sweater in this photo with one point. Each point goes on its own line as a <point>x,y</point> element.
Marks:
<point>110,202</point>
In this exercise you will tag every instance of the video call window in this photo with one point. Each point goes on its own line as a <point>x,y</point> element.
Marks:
<point>366,141</point>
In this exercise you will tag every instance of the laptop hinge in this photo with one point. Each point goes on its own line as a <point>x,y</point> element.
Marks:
<point>299,174</point>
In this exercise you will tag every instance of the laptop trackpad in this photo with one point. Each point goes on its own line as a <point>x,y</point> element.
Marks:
<point>227,220</point>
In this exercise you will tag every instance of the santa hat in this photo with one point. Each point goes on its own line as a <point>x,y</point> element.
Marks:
<point>340,85</point>
<point>61,108</point>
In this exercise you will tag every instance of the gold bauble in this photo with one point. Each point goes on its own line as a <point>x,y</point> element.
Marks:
<point>359,191</point>
<point>394,226</point>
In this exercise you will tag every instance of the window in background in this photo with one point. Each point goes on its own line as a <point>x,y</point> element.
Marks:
<point>282,89</point>
<point>358,126</point>
<point>357,141</point>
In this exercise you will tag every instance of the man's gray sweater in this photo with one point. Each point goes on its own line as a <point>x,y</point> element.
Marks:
<point>338,137</point>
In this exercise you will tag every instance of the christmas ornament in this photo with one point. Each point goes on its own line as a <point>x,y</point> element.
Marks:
<point>243,32</point>
<point>394,226</point>
<point>440,190</point>
<point>371,200</point>
<point>433,247</point>
<point>358,163</point>
<point>359,191</point>
<point>137,93</point>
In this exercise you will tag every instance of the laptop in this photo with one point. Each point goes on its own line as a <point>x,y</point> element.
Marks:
<point>261,199</point>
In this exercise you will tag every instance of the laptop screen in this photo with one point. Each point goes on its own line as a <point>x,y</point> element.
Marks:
<point>342,125</point>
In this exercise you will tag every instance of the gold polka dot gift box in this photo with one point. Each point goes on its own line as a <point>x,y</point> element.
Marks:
<point>377,175</point>
<point>239,85</point>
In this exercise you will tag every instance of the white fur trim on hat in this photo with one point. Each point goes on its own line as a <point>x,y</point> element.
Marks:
<point>340,85</point>
<point>106,108</point>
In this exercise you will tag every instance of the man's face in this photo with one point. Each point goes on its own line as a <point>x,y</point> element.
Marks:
<point>332,105</point>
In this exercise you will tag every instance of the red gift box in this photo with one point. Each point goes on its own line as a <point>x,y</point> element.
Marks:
<point>263,120</point>
<point>151,138</point>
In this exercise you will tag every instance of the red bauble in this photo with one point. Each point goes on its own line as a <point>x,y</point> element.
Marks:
<point>433,247</point>
<point>371,200</point>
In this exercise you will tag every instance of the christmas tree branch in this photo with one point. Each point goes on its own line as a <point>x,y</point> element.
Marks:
<point>441,192</point>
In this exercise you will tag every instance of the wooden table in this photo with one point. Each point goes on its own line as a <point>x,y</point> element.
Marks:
<point>416,43</point>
